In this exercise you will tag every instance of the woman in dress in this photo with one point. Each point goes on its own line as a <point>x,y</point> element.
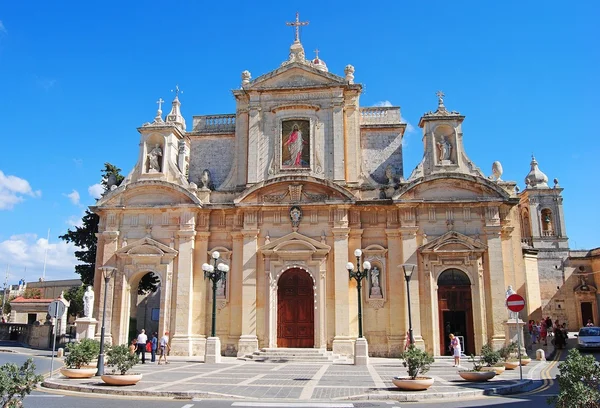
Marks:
<point>456,349</point>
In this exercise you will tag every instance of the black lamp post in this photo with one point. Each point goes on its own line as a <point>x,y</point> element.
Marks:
<point>358,275</point>
<point>408,271</point>
<point>107,272</point>
<point>215,273</point>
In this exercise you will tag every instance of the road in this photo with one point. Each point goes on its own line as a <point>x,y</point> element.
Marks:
<point>536,397</point>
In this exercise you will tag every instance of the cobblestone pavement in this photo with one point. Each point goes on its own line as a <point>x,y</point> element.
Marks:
<point>237,379</point>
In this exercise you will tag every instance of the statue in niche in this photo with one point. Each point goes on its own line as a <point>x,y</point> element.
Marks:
<point>444,150</point>
<point>206,181</point>
<point>375,287</point>
<point>88,302</point>
<point>154,158</point>
<point>220,288</point>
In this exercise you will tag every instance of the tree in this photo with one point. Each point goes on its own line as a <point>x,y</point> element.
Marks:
<point>75,296</point>
<point>32,293</point>
<point>84,237</point>
<point>17,382</point>
<point>578,381</point>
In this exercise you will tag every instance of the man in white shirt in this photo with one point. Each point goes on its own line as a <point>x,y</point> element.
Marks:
<point>164,347</point>
<point>141,345</point>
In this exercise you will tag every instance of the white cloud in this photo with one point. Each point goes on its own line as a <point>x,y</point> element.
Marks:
<point>2,28</point>
<point>385,104</point>
<point>96,190</point>
<point>75,220</point>
<point>13,189</point>
<point>27,252</point>
<point>73,196</point>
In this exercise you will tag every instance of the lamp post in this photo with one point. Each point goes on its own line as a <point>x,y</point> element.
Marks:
<point>107,272</point>
<point>358,275</point>
<point>408,271</point>
<point>215,273</point>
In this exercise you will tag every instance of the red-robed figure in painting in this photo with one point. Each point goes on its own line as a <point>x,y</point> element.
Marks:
<point>295,144</point>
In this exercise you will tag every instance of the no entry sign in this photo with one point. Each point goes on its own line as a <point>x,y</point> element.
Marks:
<point>515,303</point>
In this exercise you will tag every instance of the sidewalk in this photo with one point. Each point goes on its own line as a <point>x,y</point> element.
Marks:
<point>190,378</point>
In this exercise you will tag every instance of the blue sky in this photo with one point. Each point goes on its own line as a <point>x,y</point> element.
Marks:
<point>77,79</point>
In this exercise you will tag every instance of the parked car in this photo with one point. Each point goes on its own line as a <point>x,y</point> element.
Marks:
<point>588,338</point>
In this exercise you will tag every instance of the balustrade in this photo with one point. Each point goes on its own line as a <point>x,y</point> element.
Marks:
<point>379,115</point>
<point>214,123</point>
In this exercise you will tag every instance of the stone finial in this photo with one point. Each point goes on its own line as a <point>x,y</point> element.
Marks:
<point>246,78</point>
<point>556,183</point>
<point>174,117</point>
<point>497,171</point>
<point>349,71</point>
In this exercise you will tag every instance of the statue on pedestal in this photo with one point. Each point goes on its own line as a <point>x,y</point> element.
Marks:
<point>88,302</point>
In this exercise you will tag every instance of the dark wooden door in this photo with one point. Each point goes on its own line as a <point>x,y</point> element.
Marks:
<point>586,312</point>
<point>295,310</point>
<point>455,312</point>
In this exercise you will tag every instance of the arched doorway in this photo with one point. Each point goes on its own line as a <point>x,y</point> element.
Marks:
<point>455,310</point>
<point>295,309</point>
<point>145,305</point>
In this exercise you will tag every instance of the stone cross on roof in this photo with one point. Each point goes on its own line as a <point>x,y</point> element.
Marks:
<point>177,91</point>
<point>160,102</point>
<point>440,96</point>
<point>297,24</point>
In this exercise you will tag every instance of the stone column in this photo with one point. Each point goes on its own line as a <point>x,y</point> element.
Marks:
<point>199,294</point>
<point>107,246</point>
<point>497,287</point>
<point>395,277</point>
<point>343,343</point>
<point>338,142</point>
<point>409,255</point>
<point>181,342</point>
<point>248,342</point>
<point>254,141</point>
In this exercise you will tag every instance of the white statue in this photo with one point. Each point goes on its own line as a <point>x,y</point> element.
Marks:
<point>154,159</point>
<point>206,181</point>
<point>444,149</point>
<point>510,291</point>
<point>497,171</point>
<point>375,277</point>
<point>88,302</point>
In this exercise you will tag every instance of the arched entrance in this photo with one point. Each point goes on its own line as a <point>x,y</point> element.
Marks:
<point>295,309</point>
<point>455,310</point>
<point>145,305</point>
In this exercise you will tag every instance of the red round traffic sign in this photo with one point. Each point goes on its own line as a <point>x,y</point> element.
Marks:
<point>515,303</point>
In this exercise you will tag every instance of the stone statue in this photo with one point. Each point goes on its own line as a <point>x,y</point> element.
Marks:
<point>154,159</point>
<point>510,291</point>
<point>88,302</point>
<point>375,277</point>
<point>444,150</point>
<point>497,170</point>
<point>389,174</point>
<point>206,181</point>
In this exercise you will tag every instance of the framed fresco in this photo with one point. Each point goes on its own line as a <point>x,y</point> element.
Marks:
<point>295,144</point>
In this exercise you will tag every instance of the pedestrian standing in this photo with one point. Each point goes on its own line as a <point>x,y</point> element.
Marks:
<point>164,348</point>
<point>456,349</point>
<point>543,332</point>
<point>141,344</point>
<point>154,342</point>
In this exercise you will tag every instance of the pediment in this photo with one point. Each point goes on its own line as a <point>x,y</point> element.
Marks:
<point>452,187</point>
<point>299,190</point>
<point>146,247</point>
<point>295,75</point>
<point>295,243</point>
<point>149,194</point>
<point>453,242</point>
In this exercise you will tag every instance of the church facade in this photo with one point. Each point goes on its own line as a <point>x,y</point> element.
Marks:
<point>289,186</point>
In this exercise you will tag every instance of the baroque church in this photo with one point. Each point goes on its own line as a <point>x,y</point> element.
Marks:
<point>288,187</point>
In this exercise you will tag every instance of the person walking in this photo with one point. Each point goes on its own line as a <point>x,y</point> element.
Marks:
<point>165,347</point>
<point>141,345</point>
<point>543,332</point>
<point>154,342</point>
<point>456,349</point>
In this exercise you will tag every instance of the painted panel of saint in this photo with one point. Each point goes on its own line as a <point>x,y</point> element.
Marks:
<point>295,144</point>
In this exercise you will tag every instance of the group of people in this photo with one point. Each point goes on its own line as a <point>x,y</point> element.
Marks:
<point>540,332</point>
<point>142,344</point>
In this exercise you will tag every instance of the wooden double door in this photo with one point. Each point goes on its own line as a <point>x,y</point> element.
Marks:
<point>295,310</point>
<point>455,310</point>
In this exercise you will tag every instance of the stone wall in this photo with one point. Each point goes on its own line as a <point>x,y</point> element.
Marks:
<point>380,149</point>
<point>214,153</point>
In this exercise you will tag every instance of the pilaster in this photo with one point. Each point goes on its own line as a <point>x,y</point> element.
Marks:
<point>199,297</point>
<point>497,312</point>
<point>338,142</point>
<point>254,140</point>
<point>396,332</point>
<point>343,343</point>
<point>181,342</point>
<point>409,255</point>
<point>107,245</point>
<point>248,342</point>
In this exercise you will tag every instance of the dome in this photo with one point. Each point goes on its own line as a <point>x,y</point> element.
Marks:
<point>320,64</point>
<point>535,178</point>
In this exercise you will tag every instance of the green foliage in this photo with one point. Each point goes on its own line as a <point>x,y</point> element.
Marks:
<point>82,353</point>
<point>508,351</point>
<point>416,360</point>
<point>32,293</point>
<point>578,381</point>
<point>489,357</point>
<point>75,296</point>
<point>112,175</point>
<point>477,363</point>
<point>7,307</point>
<point>17,382</point>
<point>120,359</point>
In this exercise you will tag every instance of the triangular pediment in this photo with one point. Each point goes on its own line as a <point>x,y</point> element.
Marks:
<point>295,75</point>
<point>453,242</point>
<point>295,242</point>
<point>146,247</point>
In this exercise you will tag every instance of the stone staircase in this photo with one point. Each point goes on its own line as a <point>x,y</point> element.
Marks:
<point>296,355</point>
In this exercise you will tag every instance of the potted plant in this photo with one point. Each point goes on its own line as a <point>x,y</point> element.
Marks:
<point>491,360</point>
<point>418,362</point>
<point>508,356</point>
<point>476,374</point>
<point>77,361</point>
<point>121,361</point>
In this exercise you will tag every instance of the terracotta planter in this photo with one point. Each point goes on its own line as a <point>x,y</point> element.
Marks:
<point>511,365</point>
<point>525,361</point>
<point>78,372</point>
<point>477,376</point>
<point>497,369</point>
<point>408,384</point>
<point>118,379</point>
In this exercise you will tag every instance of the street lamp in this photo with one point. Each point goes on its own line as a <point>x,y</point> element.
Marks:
<point>408,271</point>
<point>358,275</point>
<point>107,272</point>
<point>215,273</point>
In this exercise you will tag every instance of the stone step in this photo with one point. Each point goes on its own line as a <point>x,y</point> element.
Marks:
<point>281,355</point>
